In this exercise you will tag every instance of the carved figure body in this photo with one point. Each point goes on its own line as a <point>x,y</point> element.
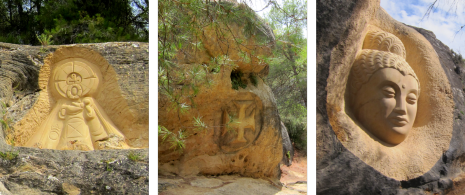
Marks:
<point>384,93</point>
<point>76,121</point>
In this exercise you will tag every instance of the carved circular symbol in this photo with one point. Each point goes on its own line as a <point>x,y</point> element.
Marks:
<point>53,135</point>
<point>73,78</point>
<point>74,91</point>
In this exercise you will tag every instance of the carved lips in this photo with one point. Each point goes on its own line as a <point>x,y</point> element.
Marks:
<point>399,120</point>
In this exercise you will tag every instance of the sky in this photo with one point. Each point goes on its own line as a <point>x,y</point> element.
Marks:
<point>444,22</point>
<point>257,5</point>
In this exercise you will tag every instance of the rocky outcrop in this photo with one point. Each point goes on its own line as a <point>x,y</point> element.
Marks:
<point>243,134</point>
<point>25,170</point>
<point>288,148</point>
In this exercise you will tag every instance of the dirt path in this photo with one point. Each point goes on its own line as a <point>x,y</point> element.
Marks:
<point>295,176</point>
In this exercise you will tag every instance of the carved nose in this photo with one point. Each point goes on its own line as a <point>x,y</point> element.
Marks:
<point>401,107</point>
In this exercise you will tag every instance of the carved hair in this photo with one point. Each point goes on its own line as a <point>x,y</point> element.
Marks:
<point>384,41</point>
<point>369,61</point>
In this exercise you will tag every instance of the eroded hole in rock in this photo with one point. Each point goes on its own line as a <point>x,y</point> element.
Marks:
<point>237,81</point>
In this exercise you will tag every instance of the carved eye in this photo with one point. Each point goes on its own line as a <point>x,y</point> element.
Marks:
<point>389,92</point>
<point>411,98</point>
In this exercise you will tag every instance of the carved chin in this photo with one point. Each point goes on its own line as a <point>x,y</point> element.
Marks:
<point>386,131</point>
<point>389,134</point>
<point>396,135</point>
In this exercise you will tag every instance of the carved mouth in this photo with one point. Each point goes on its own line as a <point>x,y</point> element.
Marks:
<point>399,121</point>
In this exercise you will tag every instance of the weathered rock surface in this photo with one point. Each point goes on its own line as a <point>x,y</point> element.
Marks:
<point>339,171</point>
<point>225,184</point>
<point>288,148</point>
<point>254,146</point>
<point>44,171</point>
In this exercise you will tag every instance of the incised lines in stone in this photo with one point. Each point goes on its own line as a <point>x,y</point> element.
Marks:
<point>76,121</point>
<point>236,124</point>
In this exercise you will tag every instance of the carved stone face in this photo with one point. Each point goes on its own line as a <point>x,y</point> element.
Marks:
<point>387,105</point>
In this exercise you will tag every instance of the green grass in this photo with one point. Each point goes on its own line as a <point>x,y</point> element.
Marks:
<point>134,157</point>
<point>107,163</point>
<point>10,155</point>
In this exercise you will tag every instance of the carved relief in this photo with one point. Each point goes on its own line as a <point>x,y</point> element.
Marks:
<point>383,88</point>
<point>76,121</point>
<point>240,123</point>
<point>383,41</point>
<point>374,104</point>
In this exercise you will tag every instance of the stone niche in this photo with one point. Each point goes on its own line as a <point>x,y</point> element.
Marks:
<point>80,106</point>
<point>374,103</point>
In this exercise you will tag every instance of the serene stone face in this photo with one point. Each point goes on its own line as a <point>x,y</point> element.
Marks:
<point>387,105</point>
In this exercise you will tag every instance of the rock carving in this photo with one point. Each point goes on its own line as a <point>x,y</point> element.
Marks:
<point>245,121</point>
<point>77,121</point>
<point>384,41</point>
<point>384,93</point>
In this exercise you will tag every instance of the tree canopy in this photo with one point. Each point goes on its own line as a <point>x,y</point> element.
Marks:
<point>288,67</point>
<point>73,21</point>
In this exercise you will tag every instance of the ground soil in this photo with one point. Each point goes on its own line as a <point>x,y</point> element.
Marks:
<point>297,171</point>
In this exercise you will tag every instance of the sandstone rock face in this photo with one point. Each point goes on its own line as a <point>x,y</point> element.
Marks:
<point>25,170</point>
<point>252,147</point>
<point>347,161</point>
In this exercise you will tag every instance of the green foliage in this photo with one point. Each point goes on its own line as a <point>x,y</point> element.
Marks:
<point>199,125</point>
<point>253,79</point>
<point>108,167</point>
<point>177,141</point>
<point>73,21</point>
<point>297,133</point>
<point>45,40</point>
<point>288,154</point>
<point>288,67</point>
<point>232,120</point>
<point>134,156</point>
<point>237,81</point>
<point>4,119</point>
<point>10,155</point>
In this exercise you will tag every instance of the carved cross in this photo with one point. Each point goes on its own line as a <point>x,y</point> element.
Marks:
<point>245,121</point>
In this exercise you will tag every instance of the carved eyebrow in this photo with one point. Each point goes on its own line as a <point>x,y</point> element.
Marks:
<point>390,84</point>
